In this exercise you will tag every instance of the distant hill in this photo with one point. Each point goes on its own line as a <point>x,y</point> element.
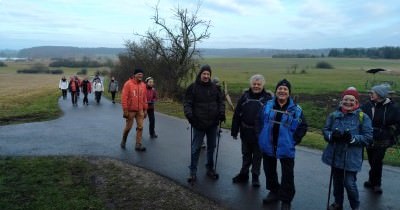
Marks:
<point>68,52</point>
<point>74,52</point>
<point>258,52</point>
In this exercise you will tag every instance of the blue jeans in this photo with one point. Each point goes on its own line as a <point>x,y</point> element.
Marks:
<point>346,180</point>
<point>198,136</point>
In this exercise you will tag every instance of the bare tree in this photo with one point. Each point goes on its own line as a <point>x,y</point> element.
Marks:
<point>169,53</point>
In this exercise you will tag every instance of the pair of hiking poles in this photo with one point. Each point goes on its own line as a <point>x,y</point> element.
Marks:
<point>215,175</point>
<point>332,166</point>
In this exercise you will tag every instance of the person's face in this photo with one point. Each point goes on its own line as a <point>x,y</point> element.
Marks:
<point>139,76</point>
<point>205,76</point>
<point>282,93</point>
<point>150,83</point>
<point>373,96</point>
<point>349,102</point>
<point>256,86</point>
<point>112,78</point>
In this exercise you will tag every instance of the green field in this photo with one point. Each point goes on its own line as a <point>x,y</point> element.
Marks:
<point>346,72</point>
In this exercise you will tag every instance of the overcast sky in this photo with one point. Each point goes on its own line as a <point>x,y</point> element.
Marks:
<point>279,24</point>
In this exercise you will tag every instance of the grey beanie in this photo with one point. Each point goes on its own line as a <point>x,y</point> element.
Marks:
<point>381,90</point>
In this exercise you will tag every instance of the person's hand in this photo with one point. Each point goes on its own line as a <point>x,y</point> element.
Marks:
<point>235,137</point>
<point>222,118</point>
<point>126,114</point>
<point>336,136</point>
<point>347,137</point>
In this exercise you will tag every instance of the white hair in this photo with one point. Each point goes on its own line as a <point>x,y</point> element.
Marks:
<point>257,77</point>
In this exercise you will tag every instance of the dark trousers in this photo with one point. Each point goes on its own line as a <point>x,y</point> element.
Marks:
<point>113,95</point>
<point>152,121</point>
<point>64,93</point>
<point>74,97</point>
<point>98,96</point>
<point>251,153</point>
<point>375,159</point>
<point>85,98</point>
<point>345,180</point>
<point>285,189</point>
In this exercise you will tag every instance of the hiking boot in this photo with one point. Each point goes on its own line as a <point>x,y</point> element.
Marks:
<point>203,145</point>
<point>255,181</point>
<point>335,206</point>
<point>240,178</point>
<point>368,185</point>
<point>153,136</point>
<point>140,148</point>
<point>286,206</point>
<point>271,198</point>
<point>123,144</point>
<point>377,189</point>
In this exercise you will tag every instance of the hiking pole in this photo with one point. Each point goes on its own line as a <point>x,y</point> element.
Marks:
<point>216,154</point>
<point>191,179</point>
<point>331,177</point>
<point>344,162</point>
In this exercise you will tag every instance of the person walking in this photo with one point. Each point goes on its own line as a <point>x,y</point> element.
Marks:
<point>281,126</point>
<point>73,87</point>
<point>151,94</point>
<point>63,86</point>
<point>244,117</point>
<point>347,130</point>
<point>385,115</point>
<point>204,108</point>
<point>98,89</point>
<point>86,89</point>
<point>113,88</point>
<point>134,106</point>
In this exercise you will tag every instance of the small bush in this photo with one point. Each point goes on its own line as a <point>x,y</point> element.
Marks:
<point>324,65</point>
<point>57,71</point>
<point>2,64</point>
<point>82,72</point>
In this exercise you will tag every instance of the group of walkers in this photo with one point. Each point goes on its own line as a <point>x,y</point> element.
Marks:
<point>75,86</point>
<point>272,124</point>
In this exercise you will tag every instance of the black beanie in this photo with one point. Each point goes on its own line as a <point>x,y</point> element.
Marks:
<point>205,67</point>
<point>283,82</point>
<point>137,70</point>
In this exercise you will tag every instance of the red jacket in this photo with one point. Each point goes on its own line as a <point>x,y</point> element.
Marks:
<point>151,97</point>
<point>133,96</point>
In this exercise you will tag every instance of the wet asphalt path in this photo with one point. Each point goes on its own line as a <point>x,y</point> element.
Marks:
<point>96,130</point>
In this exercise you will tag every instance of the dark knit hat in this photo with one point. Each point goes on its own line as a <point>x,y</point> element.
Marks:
<point>137,71</point>
<point>381,90</point>
<point>205,67</point>
<point>284,82</point>
<point>351,92</point>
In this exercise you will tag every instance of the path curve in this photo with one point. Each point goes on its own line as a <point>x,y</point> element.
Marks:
<point>96,130</point>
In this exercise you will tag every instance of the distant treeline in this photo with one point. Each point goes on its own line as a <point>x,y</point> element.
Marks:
<point>382,52</point>
<point>300,55</point>
<point>73,63</point>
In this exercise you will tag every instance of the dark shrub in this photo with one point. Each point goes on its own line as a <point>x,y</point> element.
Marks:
<point>324,65</point>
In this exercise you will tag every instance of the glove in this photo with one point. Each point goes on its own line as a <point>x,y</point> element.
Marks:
<point>126,113</point>
<point>347,137</point>
<point>336,136</point>
<point>190,119</point>
<point>222,118</point>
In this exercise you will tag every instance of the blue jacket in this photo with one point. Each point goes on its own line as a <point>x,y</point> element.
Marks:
<point>347,156</point>
<point>292,128</point>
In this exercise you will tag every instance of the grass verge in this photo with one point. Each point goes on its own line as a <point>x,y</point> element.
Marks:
<point>89,183</point>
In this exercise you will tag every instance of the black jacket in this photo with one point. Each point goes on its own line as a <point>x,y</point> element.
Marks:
<point>385,117</point>
<point>247,109</point>
<point>204,104</point>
